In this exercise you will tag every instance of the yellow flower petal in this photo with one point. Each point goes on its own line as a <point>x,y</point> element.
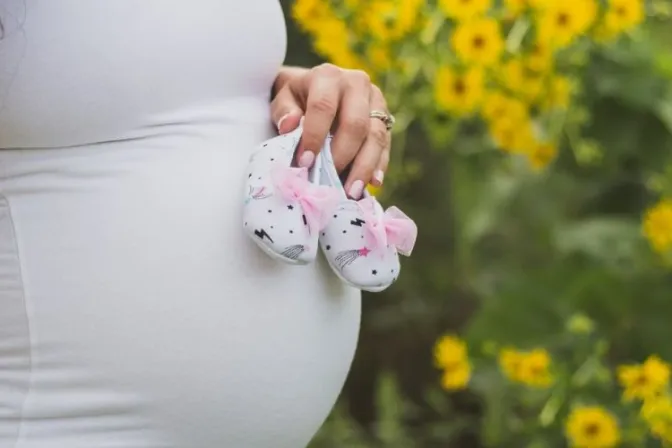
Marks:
<point>456,376</point>
<point>592,427</point>
<point>657,225</point>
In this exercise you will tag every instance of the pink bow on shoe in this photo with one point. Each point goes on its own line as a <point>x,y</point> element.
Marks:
<point>389,227</point>
<point>317,201</point>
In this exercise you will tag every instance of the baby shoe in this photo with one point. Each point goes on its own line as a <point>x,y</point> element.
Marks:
<point>285,207</point>
<point>362,242</point>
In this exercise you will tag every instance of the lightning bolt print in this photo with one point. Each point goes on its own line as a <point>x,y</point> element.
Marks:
<point>261,234</point>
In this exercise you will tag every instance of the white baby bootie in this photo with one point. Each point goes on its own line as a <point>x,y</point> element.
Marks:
<point>285,207</point>
<point>362,241</point>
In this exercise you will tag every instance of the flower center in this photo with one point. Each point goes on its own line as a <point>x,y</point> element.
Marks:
<point>641,380</point>
<point>451,366</point>
<point>459,87</point>
<point>563,19</point>
<point>479,42</point>
<point>591,430</point>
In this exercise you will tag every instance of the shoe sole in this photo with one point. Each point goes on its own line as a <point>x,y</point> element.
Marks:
<point>277,257</point>
<point>349,283</point>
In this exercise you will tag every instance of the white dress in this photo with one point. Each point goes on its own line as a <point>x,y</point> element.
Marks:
<point>134,313</point>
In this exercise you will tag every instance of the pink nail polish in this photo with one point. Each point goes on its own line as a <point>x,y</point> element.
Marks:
<point>306,160</point>
<point>279,125</point>
<point>378,176</point>
<point>356,189</point>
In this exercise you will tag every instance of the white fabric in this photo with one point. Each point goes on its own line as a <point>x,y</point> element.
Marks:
<point>134,311</point>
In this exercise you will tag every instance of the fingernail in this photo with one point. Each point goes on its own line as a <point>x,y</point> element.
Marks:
<point>279,125</point>
<point>307,158</point>
<point>378,176</point>
<point>356,189</point>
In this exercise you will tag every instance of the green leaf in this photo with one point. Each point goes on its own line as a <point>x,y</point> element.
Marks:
<point>605,239</point>
<point>391,410</point>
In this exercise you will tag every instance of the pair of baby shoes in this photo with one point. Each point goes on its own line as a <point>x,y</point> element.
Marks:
<point>290,212</point>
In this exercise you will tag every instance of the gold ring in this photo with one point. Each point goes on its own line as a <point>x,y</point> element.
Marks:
<point>386,118</point>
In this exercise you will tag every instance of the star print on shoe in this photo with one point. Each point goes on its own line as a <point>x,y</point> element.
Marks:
<point>362,242</point>
<point>284,207</point>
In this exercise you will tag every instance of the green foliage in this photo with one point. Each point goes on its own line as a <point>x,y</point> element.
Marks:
<point>508,256</point>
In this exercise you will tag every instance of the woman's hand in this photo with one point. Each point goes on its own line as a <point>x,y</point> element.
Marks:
<point>341,100</point>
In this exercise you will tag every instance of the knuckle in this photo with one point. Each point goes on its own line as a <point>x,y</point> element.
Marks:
<point>360,76</point>
<point>322,104</point>
<point>363,170</point>
<point>310,138</point>
<point>328,69</point>
<point>358,125</point>
<point>380,136</point>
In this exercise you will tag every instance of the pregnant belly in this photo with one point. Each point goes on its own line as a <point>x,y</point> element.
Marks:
<point>136,313</point>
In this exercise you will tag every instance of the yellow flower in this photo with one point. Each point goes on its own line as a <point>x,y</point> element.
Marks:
<point>658,225</point>
<point>532,88</point>
<point>449,350</point>
<point>464,9</point>
<point>645,380</point>
<point>497,105</point>
<point>624,15</point>
<point>558,93</point>
<point>517,78</point>
<point>657,413</point>
<point>534,369</point>
<point>456,376</point>
<point>373,190</point>
<point>478,41</point>
<point>510,361</point>
<point>512,74</point>
<point>621,16</point>
<point>389,20</point>
<point>379,57</point>
<point>540,58</point>
<point>332,40</point>
<point>561,22</point>
<point>450,354</point>
<point>512,136</point>
<point>592,427</point>
<point>531,368</point>
<point>603,33</point>
<point>331,37</point>
<point>456,92</point>
<point>514,8</point>
<point>309,13</point>
<point>540,4</point>
<point>541,155</point>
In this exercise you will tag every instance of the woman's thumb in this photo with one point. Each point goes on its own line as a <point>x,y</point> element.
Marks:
<point>285,112</point>
<point>289,122</point>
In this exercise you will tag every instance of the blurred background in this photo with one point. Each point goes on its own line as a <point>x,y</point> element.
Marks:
<point>533,147</point>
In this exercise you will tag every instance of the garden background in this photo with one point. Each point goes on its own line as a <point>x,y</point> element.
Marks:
<point>533,147</point>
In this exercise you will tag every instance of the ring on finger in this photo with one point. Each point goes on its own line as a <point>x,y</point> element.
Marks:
<point>386,118</point>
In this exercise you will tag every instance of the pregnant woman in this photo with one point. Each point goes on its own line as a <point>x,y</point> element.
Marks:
<point>134,313</point>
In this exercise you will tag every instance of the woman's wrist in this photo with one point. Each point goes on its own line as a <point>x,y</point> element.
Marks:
<point>285,74</point>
